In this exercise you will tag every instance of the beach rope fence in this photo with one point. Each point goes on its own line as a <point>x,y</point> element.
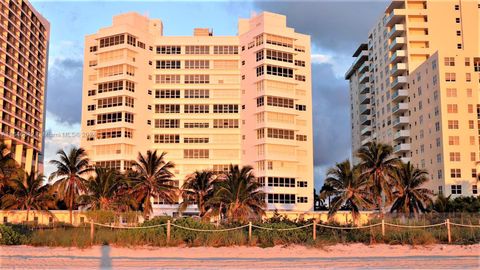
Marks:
<point>169,225</point>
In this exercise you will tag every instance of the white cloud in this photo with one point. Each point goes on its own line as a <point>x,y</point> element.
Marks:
<point>58,135</point>
<point>318,58</point>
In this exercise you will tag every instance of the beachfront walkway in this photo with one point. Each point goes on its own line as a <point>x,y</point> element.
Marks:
<point>339,256</point>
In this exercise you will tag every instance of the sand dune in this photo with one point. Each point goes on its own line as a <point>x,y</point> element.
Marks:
<point>338,256</point>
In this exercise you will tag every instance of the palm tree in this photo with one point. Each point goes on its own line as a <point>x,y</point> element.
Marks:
<point>349,189</point>
<point>239,194</point>
<point>7,165</point>
<point>199,187</point>
<point>29,194</point>
<point>103,190</point>
<point>152,178</point>
<point>326,192</point>
<point>377,164</point>
<point>69,176</point>
<point>410,197</point>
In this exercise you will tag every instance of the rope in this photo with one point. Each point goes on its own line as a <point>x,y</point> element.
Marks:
<point>284,229</point>
<point>129,227</point>
<point>417,226</point>
<point>205,230</point>
<point>464,225</point>
<point>349,228</point>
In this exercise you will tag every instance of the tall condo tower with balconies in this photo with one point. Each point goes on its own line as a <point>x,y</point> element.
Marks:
<point>208,101</point>
<point>24,36</point>
<point>415,85</point>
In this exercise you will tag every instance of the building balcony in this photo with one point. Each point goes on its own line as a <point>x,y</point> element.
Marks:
<point>398,68</point>
<point>395,4</point>
<point>364,88</point>
<point>397,43</point>
<point>401,134</point>
<point>365,99</point>
<point>403,147</point>
<point>397,30</point>
<point>365,109</point>
<point>398,56</point>
<point>365,119</point>
<point>396,16</point>
<point>364,67</point>
<point>400,108</point>
<point>366,131</point>
<point>401,121</point>
<point>364,77</point>
<point>399,94</point>
<point>399,82</point>
<point>366,141</point>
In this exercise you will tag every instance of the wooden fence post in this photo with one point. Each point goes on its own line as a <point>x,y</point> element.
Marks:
<point>383,227</point>
<point>449,233</point>
<point>92,232</point>
<point>168,231</point>
<point>250,232</point>
<point>314,229</point>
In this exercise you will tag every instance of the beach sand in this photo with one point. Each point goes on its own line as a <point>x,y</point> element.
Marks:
<point>300,257</point>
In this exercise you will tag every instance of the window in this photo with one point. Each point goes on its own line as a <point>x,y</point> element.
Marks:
<point>299,63</point>
<point>197,79</point>
<point>280,71</point>
<point>167,108</point>
<point>196,108</point>
<point>456,189</point>
<point>459,45</point>
<point>197,93</point>
<point>279,56</point>
<point>453,140</point>
<point>168,50</point>
<point>195,153</point>
<point>109,118</point>
<point>112,40</point>
<point>281,198</point>
<point>279,102</point>
<point>131,40</point>
<point>300,107</point>
<point>455,173</point>
<point>197,64</point>
<point>474,189</point>
<point>474,173</point>
<point>93,48</point>
<point>167,93</point>
<point>110,102</point>
<point>303,184</point>
<point>280,133</point>
<point>167,79</point>
<point>450,77</point>
<point>450,61</point>
<point>259,55</point>
<point>454,156</point>
<point>225,123</point>
<point>168,64</point>
<point>260,101</point>
<point>279,41</point>
<point>452,108</point>
<point>196,140</point>
<point>260,71</point>
<point>225,108</point>
<point>90,107</point>
<point>225,49</point>
<point>473,156</point>
<point>451,92</point>
<point>91,93</point>
<point>109,133</point>
<point>197,49</point>
<point>467,61</point>
<point>452,124</point>
<point>90,122</point>
<point>167,123</point>
<point>196,125</point>
<point>300,78</point>
<point>476,64</point>
<point>468,77</point>
<point>302,200</point>
<point>166,138</point>
<point>457,20</point>
<point>280,182</point>
<point>301,138</point>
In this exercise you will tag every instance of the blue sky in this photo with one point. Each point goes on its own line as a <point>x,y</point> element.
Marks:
<point>335,28</point>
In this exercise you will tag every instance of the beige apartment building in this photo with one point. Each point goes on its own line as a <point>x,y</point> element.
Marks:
<point>208,101</point>
<point>24,36</point>
<point>416,85</point>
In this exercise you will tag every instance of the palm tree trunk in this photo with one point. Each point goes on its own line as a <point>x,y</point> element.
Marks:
<point>28,211</point>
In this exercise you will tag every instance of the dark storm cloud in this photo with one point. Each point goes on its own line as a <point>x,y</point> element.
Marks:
<point>334,25</point>
<point>331,120</point>
<point>64,92</point>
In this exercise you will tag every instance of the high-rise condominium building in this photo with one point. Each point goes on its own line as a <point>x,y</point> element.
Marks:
<point>415,84</point>
<point>24,36</point>
<point>208,101</point>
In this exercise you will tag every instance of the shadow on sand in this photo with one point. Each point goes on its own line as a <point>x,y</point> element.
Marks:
<point>106,260</point>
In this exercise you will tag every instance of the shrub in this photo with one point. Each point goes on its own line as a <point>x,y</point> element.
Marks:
<point>8,236</point>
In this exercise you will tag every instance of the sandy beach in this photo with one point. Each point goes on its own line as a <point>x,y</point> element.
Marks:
<point>338,256</point>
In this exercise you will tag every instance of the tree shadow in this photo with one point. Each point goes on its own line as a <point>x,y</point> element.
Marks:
<point>106,260</point>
